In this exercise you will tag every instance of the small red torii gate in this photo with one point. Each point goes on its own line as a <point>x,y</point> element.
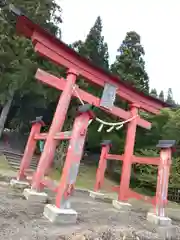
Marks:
<point>55,50</point>
<point>163,162</point>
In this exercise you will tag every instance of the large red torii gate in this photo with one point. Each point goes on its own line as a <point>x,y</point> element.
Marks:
<point>55,50</point>
<point>52,48</point>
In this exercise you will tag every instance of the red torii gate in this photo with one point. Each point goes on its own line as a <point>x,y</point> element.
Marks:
<point>55,50</point>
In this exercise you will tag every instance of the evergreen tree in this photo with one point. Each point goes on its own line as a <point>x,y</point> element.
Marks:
<point>18,62</point>
<point>94,48</point>
<point>129,63</point>
<point>154,93</point>
<point>169,98</point>
<point>161,96</point>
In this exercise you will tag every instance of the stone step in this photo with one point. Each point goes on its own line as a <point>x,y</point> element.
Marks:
<point>19,160</point>
<point>18,157</point>
<point>15,153</point>
<point>17,164</point>
<point>14,158</point>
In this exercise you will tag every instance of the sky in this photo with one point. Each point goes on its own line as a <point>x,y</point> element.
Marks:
<point>155,20</point>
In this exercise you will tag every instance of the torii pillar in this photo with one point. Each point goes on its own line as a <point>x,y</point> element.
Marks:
<point>159,217</point>
<point>56,126</point>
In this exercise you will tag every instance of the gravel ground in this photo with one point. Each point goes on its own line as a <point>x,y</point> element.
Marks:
<point>21,220</point>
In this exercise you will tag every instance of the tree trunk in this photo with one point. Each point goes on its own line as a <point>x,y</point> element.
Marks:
<point>4,114</point>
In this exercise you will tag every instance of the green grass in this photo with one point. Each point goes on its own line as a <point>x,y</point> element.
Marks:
<point>4,163</point>
<point>86,177</point>
<point>86,180</point>
<point>144,191</point>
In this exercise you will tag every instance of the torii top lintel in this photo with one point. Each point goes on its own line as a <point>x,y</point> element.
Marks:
<point>49,46</point>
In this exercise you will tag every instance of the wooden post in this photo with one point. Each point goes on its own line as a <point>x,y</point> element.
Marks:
<point>30,148</point>
<point>128,153</point>
<point>56,126</point>
<point>102,165</point>
<point>73,157</point>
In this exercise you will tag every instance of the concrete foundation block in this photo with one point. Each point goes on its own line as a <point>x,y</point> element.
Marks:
<point>60,216</point>
<point>96,195</point>
<point>124,206</point>
<point>34,196</point>
<point>168,232</point>
<point>161,221</point>
<point>100,197</point>
<point>19,184</point>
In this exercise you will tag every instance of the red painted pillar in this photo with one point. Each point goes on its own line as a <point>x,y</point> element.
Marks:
<point>74,155</point>
<point>56,126</point>
<point>30,147</point>
<point>102,165</point>
<point>163,176</point>
<point>128,153</point>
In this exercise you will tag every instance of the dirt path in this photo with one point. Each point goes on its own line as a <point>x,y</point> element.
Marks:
<point>20,220</point>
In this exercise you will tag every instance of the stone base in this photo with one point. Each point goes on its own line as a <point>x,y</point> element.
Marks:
<point>60,216</point>
<point>33,196</point>
<point>168,232</point>
<point>161,221</point>
<point>121,205</point>
<point>19,184</point>
<point>97,195</point>
<point>100,197</point>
